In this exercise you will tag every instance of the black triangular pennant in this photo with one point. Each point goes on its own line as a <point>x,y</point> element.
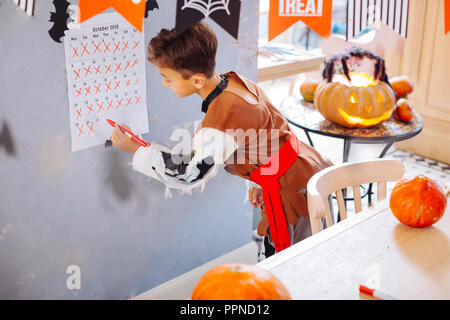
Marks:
<point>225,13</point>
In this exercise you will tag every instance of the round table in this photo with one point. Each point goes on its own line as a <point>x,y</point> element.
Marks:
<point>304,115</point>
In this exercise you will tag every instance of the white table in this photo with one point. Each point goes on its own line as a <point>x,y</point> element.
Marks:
<point>370,248</point>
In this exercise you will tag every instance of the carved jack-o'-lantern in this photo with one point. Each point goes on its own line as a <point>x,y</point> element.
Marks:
<point>355,99</point>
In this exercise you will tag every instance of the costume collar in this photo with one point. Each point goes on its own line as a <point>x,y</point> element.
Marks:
<point>217,90</point>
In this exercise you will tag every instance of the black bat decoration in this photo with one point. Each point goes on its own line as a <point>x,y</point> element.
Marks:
<point>59,19</point>
<point>150,5</point>
<point>6,140</point>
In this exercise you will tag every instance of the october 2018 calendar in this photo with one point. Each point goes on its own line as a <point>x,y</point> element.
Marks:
<point>105,62</point>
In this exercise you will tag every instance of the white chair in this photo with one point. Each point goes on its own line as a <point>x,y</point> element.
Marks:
<point>335,178</point>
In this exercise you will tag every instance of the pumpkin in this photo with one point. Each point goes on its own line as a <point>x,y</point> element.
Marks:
<point>403,110</point>
<point>418,201</point>
<point>401,86</point>
<point>354,99</point>
<point>307,89</point>
<point>239,281</point>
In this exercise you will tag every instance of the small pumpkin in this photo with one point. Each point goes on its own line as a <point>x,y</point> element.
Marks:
<point>354,99</point>
<point>401,85</point>
<point>307,89</point>
<point>403,110</point>
<point>418,201</point>
<point>239,281</point>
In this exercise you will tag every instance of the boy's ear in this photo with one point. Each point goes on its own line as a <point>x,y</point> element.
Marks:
<point>199,80</point>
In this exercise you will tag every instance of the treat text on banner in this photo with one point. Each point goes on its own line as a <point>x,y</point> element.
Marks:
<point>316,14</point>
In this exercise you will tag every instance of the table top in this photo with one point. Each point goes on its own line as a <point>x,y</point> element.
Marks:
<point>370,248</point>
<point>304,115</point>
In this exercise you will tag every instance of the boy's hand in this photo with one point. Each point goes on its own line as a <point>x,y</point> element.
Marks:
<point>121,141</point>
<point>255,196</point>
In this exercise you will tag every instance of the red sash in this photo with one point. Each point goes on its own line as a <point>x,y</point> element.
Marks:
<point>279,163</point>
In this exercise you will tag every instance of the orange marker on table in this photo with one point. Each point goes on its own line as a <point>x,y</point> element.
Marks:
<point>129,134</point>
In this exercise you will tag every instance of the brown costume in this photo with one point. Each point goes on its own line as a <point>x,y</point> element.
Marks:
<point>234,110</point>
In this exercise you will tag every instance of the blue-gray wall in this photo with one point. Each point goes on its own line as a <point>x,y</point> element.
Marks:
<point>89,208</point>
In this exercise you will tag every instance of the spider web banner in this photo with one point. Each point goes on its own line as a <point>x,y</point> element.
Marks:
<point>225,13</point>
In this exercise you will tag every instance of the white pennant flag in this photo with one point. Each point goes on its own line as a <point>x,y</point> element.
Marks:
<point>364,13</point>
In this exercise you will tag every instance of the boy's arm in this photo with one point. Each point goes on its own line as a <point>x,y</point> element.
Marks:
<point>211,147</point>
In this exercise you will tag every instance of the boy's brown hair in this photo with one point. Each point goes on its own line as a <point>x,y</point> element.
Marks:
<point>193,51</point>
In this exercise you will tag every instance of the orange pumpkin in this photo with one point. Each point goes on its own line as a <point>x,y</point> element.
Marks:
<point>307,89</point>
<point>403,110</point>
<point>363,102</point>
<point>354,99</point>
<point>418,201</point>
<point>401,86</point>
<point>239,281</point>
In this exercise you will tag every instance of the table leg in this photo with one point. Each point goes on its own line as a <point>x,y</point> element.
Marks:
<point>347,146</point>
<point>309,138</point>
<point>386,148</point>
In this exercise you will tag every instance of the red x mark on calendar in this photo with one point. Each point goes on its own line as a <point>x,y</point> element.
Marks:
<point>77,73</point>
<point>97,69</point>
<point>117,84</point>
<point>96,46</point>
<point>97,88</point>
<point>88,90</point>
<point>136,44</point>
<point>75,52</point>
<point>88,70</point>
<point>78,92</point>
<point>127,65</point>
<point>106,47</point>
<point>117,67</point>
<point>80,130</point>
<point>100,106</point>
<point>91,128</point>
<point>134,63</point>
<point>78,112</point>
<point>108,86</point>
<point>136,82</point>
<point>110,104</point>
<point>116,46</point>
<point>89,107</point>
<point>127,83</point>
<point>129,101</point>
<point>138,99</point>
<point>119,103</point>
<point>84,49</point>
<point>108,68</point>
<point>125,45</point>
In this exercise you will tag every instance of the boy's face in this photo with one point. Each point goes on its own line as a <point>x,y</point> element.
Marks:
<point>175,81</point>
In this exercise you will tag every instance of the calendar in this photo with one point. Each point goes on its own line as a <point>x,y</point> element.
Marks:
<point>105,62</point>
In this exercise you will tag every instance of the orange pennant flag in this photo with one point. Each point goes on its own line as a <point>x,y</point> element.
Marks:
<point>132,10</point>
<point>447,16</point>
<point>316,14</point>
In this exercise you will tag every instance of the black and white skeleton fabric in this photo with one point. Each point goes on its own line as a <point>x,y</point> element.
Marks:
<point>186,172</point>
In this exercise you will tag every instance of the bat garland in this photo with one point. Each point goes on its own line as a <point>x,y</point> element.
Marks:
<point>61,17</point>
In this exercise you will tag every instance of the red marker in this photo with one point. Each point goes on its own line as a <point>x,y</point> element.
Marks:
<point>129,134</point>
<point>375,293</point>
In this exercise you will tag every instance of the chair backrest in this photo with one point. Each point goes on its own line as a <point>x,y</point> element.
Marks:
<point>335,178</point>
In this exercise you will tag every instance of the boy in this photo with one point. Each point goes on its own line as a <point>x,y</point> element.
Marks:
<point>238,116</point>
